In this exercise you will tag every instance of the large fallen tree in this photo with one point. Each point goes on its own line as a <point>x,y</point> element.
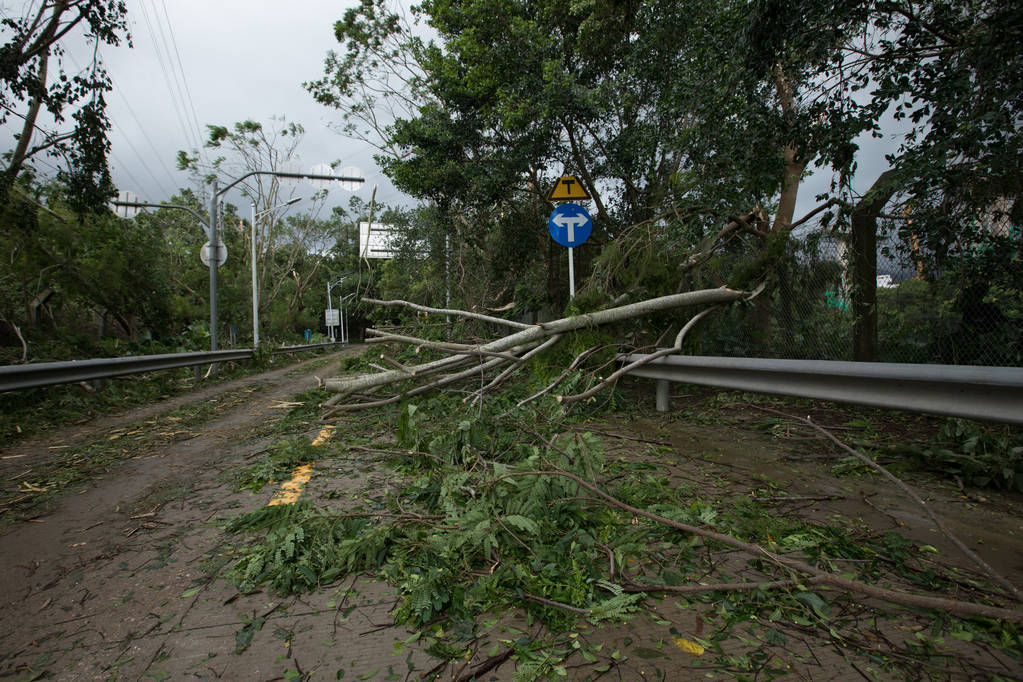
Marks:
<point>466,361</point>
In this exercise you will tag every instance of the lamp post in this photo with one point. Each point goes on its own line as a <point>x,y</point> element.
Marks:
<point>344,324</point>
<point>255,281</point>
<point>330,306</point>
<point>215,195</point>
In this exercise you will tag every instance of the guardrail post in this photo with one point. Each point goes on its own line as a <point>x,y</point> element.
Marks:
<point>662,395</point>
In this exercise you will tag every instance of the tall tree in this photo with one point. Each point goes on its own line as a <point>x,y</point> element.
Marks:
<point>33,80</point>
<point>951,71</point>
<point>281,244</point>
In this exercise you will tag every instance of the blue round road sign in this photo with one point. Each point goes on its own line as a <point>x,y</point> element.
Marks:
<point>570,225</point>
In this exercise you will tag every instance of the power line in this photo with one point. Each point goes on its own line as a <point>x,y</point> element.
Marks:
<point>186,130</point>
<point>145,135</point>
<point>115,125</point>
<point>184,80</point>
<point>148,141</point>
<point>124,169</point>
<point>146,166</point>
<point>180,82</point>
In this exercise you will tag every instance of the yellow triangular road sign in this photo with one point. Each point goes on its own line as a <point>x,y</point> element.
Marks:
<point>567,188</point>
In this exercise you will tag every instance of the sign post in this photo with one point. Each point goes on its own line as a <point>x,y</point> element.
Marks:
<point>570,225</point>
<point>333,321</point>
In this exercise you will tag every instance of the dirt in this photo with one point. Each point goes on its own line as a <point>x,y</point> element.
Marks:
<point>123,579</point>
<point>119,581</point>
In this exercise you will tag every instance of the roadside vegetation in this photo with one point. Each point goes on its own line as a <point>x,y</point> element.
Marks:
<point>575,544</point>
<point>45,410</point>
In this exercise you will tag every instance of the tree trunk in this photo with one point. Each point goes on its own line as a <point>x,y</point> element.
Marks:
<point>18,156</point>
<point>795,164</point>
<point>350,384</point>
<point>863,261</point>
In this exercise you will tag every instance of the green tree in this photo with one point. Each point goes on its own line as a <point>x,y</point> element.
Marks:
<point>33,80</point>
<point>950,72</point>
<point>66,268</point>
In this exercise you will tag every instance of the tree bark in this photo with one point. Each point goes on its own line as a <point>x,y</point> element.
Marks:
<point>19,154</point>
<point>863,262</point>
<point>347,385</point>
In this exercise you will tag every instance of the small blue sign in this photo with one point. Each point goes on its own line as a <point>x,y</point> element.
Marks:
<point>570,225</point>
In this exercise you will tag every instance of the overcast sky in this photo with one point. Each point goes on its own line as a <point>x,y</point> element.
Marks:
<point>199,62</point>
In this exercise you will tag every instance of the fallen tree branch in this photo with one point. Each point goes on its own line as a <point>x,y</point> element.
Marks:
<point>444,381</point>
<point>445,311</point>
<point>820,576</point>
<point>535,333</point>
<point>716,587</point>
<point>486,666</point>
<point>568,370</point>
<point>556,604</point>
<point>614,376</point>
<point>456,348</point>
<point>387,337</point>
<point>970,554</point>
<point>500,378</point>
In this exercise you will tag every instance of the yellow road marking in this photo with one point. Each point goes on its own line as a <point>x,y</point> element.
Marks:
<point>324,436</point>
<point>291,490</point>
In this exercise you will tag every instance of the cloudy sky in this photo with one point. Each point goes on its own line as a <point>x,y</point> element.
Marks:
<point>199,62</point>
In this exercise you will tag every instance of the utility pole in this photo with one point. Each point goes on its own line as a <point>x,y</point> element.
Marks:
<point>214,263</point>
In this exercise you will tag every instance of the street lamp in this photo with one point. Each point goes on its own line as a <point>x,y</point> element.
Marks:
<point>344,324</point>
<point>215,193</point>
<point>255,284</point>
<point>330,306</point>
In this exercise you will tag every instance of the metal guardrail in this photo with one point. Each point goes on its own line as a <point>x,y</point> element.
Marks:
<point>300,349</point>
<point>985,393</point>
<point>16,377</point>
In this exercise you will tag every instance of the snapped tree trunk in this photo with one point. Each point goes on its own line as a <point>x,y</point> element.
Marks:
<point>863,261</point>
<point>346,385</point>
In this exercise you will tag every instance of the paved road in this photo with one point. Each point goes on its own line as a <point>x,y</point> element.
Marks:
<point>121,579</point>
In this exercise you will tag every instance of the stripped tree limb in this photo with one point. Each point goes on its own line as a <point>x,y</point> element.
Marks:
<point>535,333</point>
<point>568,370</point>
<point>394,363</point>
<point>456,348</point>
<point>614,376</point>
<point>444,381</point>
<point>820,576</point>
<point>500,378</point>
<point>716,587</point>
<point>909,492</point>
<point>444,311</point>
<point>360,383</point>
<point>387,337</point>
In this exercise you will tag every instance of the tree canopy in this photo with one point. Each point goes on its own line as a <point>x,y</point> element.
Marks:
<point>34,79</point>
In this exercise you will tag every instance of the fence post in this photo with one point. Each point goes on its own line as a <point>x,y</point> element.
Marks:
<point>662,395</point>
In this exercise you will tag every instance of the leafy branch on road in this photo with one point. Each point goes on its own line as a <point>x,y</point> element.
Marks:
<point>490,516</point>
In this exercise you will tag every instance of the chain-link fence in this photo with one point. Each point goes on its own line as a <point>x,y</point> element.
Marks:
<point>957,315</point>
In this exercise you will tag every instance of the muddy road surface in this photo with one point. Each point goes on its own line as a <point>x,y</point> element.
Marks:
<point>117,570</point>
<point>116,578</point>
